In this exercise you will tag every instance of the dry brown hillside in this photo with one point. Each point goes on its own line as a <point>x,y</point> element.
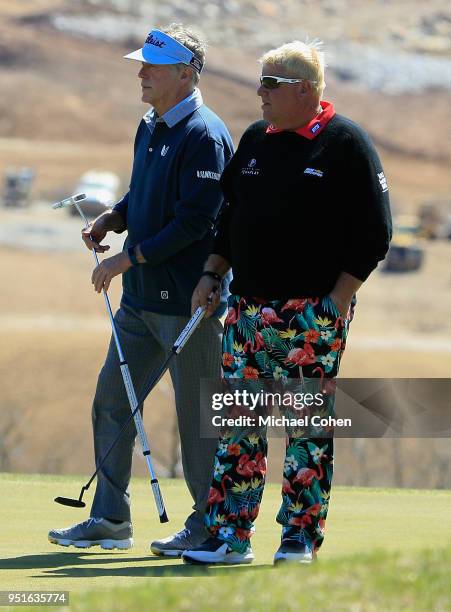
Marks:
<point>69,103</point>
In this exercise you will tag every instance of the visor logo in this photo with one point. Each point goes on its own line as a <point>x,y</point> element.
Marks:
<point>151,40</point>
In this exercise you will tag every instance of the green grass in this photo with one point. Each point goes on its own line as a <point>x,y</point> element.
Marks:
<point>385,549</point>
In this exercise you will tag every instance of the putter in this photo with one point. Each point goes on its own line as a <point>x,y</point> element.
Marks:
<point>131,394</point>
<point>190,328</point>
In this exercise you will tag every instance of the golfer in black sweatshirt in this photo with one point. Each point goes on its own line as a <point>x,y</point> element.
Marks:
<point>307,219</point>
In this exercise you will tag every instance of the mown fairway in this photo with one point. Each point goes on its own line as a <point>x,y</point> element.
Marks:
<point>373,557</point>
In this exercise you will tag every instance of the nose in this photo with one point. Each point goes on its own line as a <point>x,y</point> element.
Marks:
<point>142,72</point>
<point>262,91</point>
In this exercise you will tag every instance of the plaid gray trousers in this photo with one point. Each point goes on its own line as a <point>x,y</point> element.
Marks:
<point>146,340</point>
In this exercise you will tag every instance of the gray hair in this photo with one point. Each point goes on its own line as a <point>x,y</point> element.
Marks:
<point>191,41</point>
<point>300,60</point>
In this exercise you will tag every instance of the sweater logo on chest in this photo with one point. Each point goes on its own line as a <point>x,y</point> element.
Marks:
<point>314,172</point>
<point>164,150</point>
<point>250,169</point>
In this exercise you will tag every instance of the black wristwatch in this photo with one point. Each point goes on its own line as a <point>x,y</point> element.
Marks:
<point>214,275</point>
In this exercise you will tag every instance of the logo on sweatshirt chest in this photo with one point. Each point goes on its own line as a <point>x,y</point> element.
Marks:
<point>164,150</point>
<point>251,168</point>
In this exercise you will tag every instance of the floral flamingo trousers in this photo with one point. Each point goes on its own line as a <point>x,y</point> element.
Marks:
<point>276,340</point>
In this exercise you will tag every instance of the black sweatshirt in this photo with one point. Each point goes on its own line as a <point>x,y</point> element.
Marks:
<point>300,210</point>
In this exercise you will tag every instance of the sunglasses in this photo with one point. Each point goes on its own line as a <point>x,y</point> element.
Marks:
<point>274,82</point>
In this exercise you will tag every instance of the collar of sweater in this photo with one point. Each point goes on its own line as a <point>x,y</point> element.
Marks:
<point>314,127</point>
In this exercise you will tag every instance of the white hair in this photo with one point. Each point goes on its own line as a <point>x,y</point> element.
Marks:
<point>191,41</point>
<point>300,60</point>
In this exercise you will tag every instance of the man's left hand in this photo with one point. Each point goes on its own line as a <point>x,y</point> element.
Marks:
<point>341,304</point>
<point>108,269</point>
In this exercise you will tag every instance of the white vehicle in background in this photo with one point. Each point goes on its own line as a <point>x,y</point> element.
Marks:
<point>101,192</point>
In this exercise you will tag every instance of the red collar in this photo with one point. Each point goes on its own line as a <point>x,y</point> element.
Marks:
<point>314,127</point>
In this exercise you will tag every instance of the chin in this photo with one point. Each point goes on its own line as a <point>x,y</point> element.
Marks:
<point>266,114</point>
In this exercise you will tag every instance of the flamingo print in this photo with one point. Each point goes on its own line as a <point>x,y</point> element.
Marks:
<point>305,476</point>
<point>321,374</point>
<point>286,487</point>
<point>232,316</point>
<point>246,467</point>
<point>259,343</point>
<point>301,356</point>
<point>296,305</point>
<point>268,316</point>
<point>214,496</point>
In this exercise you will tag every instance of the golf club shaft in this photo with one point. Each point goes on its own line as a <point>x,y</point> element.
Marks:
<point>132,399</point>
<point>188,330</point>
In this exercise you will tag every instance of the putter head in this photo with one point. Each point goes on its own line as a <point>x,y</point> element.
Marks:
<point>66,501</point>
<point>79,197</point>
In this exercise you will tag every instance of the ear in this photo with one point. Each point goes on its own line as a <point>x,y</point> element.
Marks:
<point>305,87</point>
<point>186,73</point>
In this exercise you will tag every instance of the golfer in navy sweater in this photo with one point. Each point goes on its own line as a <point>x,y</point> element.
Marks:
<point>181,148</point>
<point>306,222</point>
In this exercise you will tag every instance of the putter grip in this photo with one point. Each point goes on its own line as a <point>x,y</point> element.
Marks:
<point>159,501</point>
<point>188,330</point>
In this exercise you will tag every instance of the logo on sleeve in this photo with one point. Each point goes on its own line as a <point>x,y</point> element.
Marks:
<point>208,174</point>
<point>251,170</point>
<point>382,181</point>
<point>314,172</point>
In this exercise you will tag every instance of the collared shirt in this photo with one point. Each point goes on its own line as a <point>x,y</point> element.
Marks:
<point>175,114</point>
<point>314,127</point>
<point>171,206</point>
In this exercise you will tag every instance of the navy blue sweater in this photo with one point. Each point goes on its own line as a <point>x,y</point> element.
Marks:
<point>171,207</point>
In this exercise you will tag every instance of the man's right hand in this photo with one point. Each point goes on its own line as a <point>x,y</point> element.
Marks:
<point>205,287</point>
<point>94,234</point>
